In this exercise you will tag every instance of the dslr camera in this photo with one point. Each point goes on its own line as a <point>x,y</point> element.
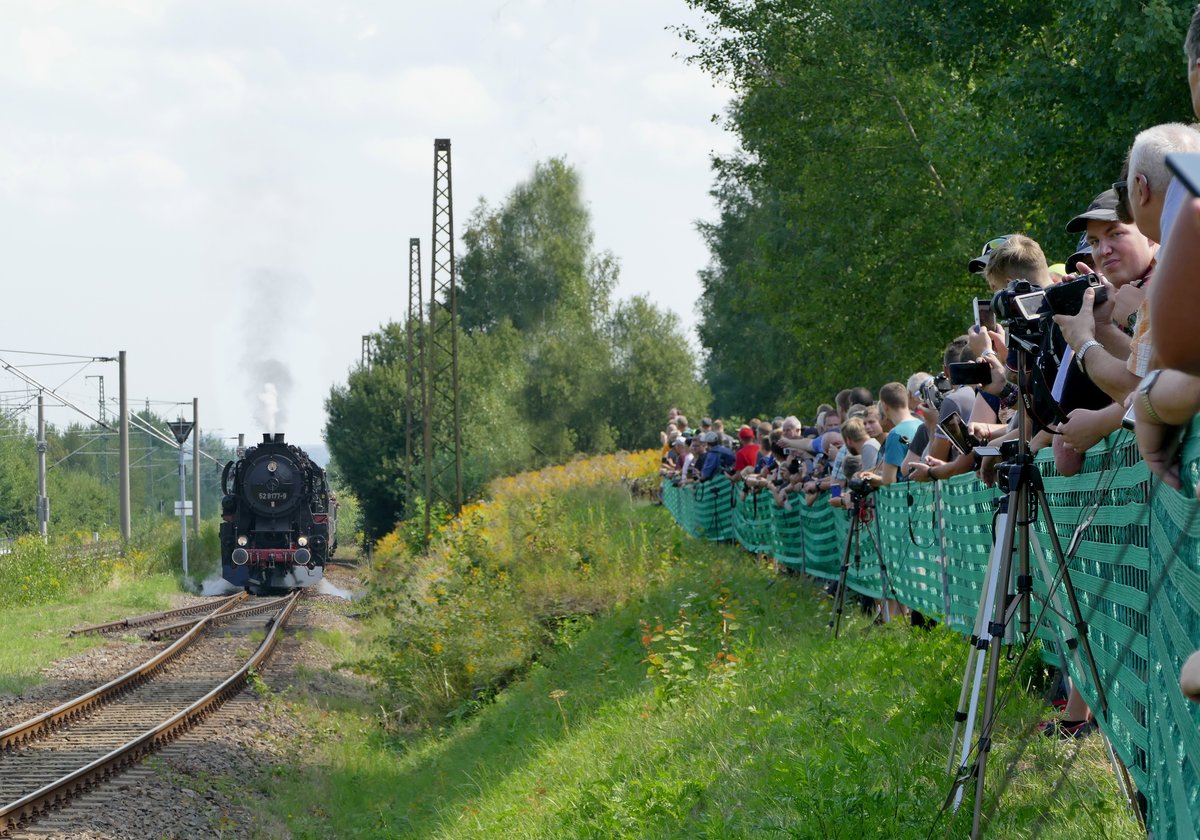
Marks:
<point>934,389</point>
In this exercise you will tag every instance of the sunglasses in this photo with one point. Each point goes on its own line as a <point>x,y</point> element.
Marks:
<point>993,244</point>
<point>1123,213</point>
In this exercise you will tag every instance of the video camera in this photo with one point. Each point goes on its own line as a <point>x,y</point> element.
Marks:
<point>1024,307</point>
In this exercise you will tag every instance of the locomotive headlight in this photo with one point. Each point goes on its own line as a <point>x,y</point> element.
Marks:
<point>272,466</point>
<point>242,540</point>
<point>301,540</point>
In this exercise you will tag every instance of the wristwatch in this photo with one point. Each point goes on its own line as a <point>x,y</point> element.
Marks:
<point>1083,348</point>
<point>1143,395</point>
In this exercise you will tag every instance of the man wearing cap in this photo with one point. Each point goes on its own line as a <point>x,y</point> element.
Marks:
<point>1100,338</point>
<point>978,265</point>
<point>717,458</point>
<point>747,454</point>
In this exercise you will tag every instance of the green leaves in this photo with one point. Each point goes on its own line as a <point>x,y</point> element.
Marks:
<point>882,143</point>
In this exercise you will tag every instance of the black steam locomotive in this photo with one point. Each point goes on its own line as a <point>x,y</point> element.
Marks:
<point>278,518</point>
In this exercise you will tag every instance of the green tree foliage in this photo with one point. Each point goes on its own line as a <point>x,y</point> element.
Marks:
<point>653,367</point>
<point>82,477</point>
<point>882,143</point>
<point>530,262</point>
<point>545,370</point>
<point>366,431</point>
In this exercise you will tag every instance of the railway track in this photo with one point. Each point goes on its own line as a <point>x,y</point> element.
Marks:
<point>48,759</point>
<point>155,617</point>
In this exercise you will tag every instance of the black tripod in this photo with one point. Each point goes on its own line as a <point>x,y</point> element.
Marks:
<point>1020,478</point>
<point>861,514</point>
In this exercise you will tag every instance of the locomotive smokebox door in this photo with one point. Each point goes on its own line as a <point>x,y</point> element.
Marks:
<point>273,484</point>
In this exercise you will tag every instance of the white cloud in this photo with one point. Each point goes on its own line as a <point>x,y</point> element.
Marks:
<point>442,95</point>
<point>675,143</point>
<point>57,172</point>
<point>44,50</point>
<point>686,88</point>
<point>406,153</point>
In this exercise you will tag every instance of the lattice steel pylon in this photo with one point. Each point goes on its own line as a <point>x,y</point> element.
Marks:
<point>443,434</point>
<point>414,373</point>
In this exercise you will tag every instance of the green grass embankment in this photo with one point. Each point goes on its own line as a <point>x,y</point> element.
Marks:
<point>704,700</point>
<point>47,588</point>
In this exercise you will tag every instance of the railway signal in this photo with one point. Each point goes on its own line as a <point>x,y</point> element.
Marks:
<point>181,429</point>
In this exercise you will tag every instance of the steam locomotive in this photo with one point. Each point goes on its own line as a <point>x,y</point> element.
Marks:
<point>278,518</point>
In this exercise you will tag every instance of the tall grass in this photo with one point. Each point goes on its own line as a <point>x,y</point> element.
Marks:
<point>40,572</point>
<point>692,693</point>
<point>503,582</point>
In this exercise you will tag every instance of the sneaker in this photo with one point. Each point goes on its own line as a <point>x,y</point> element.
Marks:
<point>1067,729</point>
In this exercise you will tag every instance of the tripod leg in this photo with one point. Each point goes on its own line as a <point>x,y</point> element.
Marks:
<point>839,598</point>
<point>995,632</point>
<point>1065,630</point>
<point>1124,782</point>
<point>1081,627</point>
<point>973,677</point>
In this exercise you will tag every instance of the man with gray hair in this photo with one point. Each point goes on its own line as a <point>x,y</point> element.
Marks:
<point>1154,198</point>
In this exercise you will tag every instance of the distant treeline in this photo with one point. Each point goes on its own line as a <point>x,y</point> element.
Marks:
<point>549,365</point>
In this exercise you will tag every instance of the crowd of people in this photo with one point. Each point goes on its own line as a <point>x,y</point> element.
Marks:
<point>1072,341</point>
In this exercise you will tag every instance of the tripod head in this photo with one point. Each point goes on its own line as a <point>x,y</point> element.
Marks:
<point>859,496</point>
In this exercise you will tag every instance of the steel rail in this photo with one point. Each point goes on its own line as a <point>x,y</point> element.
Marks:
<point>40,724</point>
<point>58,793</point>
<point>151,618</point>
<point>259,606</point>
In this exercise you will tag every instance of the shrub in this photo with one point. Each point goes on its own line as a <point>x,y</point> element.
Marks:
<point>502,581</point>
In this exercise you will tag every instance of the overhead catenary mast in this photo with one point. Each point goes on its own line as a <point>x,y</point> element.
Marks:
<point>414,374</point>
<point>443,434</point>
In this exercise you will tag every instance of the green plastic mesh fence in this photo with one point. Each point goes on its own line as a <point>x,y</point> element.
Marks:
<point>1134,565</point>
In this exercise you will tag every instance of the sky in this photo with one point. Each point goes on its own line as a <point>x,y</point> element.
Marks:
<point>225,189</point>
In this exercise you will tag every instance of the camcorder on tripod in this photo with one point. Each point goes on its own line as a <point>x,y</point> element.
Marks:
<point>862,515</point>
<point>1008,582</point>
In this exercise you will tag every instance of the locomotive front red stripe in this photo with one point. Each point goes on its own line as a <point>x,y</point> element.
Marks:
<point>267,556</point>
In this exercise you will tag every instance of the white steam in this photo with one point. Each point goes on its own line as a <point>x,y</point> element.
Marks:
<point>272,304</point>
<point>268,407</point>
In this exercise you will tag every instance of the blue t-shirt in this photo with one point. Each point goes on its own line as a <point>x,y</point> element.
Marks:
<point>896,445</point>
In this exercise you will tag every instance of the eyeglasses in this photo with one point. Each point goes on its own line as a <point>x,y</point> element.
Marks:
<point>1123,213</point>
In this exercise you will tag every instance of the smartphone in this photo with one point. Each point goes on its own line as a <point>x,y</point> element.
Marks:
<point>970,373</point>
<point>984,317</point>
<point>1186,166</point>
<point>1128,420</point>
<point>835,491</point>
<point>954,429</point>
<point>985,451</point>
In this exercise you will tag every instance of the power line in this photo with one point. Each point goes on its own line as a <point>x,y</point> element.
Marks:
<point>61,355</point>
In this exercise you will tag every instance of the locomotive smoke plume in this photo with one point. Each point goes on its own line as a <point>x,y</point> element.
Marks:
<point>268,406</point>
<point>274,384</point>
<point>268,340</point>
